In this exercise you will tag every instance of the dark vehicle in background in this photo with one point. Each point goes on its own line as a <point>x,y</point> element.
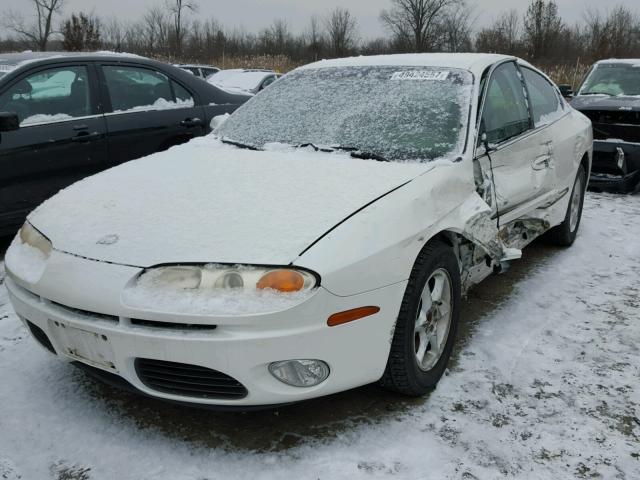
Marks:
<point>66,116</point>
<point>202,71</point>
<point>610,97</point>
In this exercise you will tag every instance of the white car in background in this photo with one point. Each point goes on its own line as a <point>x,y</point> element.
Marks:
<point>319,241</point>
<point>202,71</point>
<point>243,81</point>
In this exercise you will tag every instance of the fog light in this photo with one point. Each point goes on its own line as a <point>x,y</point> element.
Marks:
<point>300,373</point>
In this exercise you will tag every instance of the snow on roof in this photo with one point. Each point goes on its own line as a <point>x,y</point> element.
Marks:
<point>29,56</point>
<point>628,61</point>
<point>467,61</point>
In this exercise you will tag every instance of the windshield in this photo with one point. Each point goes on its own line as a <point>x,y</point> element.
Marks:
<point>399,113</point>
<point>613,79</point>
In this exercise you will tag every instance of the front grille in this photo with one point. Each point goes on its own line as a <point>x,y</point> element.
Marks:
<point>188,380</point>
<point>172,325</point>
<point>41,337</point>
<point>86,315</point>
<point>622,125</point>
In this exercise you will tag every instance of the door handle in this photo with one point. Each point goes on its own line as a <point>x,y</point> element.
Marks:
<point>191,122</point>
<point>85,137</point>
<point>542,162</point>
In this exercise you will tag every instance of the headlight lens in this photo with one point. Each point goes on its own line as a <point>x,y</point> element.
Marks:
<point>219,289</point>
<point>212,277</point>
<point>27,255</point>
<point>35,239</point>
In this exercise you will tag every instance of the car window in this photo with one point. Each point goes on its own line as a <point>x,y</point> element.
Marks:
<point>134,89</point>
<point>182,95</point>
<point>545,104</point>
<point>506,113</point>
<point>50,95</point>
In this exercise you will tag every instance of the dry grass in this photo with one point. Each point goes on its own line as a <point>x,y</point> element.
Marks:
<point>566,74</point>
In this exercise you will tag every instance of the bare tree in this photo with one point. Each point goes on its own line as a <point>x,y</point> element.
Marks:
<point>341,29</point>
<point>542,28</point>
<point>314,38</point>
<point>112,35</point>
<point>616,34</point>
<point>40,30</point>
<point>178,9</point>
<point>501,37</point>
<point>415,24</point>
<point>81,32</point>
<point>457,23</point>
<point>155,30</point>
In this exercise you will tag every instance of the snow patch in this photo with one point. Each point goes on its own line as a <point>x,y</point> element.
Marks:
<point>44,118</point>
<point>25,261</point>
<point>160,104</point>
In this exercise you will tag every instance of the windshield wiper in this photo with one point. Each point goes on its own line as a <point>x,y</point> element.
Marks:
<point>240,144</point>
<point>597,93</point>
<point>354,151</point>
<point>359,153</point>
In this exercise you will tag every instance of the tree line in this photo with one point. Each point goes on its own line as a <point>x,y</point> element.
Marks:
<point>174,30</point>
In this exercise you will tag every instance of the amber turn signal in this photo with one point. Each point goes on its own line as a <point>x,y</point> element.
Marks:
<point>282,280</point>
<point>351,315</point>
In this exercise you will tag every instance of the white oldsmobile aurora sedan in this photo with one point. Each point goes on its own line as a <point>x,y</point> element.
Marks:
<point>320,240</point>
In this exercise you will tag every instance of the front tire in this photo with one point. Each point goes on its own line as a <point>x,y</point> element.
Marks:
<point>565,234</point>
<point>427,323</point>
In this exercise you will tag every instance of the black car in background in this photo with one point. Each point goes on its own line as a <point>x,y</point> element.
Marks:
<point>65,116</point>
<point>610,97</point>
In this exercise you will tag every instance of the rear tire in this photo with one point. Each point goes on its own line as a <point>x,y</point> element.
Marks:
<point>565,234</point>
<point>427,323</point>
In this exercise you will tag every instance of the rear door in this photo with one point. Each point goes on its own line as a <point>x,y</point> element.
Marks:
<point>146,111</point>
<point>61,139</point>
<point>551,118</point>
<point>520,153</point>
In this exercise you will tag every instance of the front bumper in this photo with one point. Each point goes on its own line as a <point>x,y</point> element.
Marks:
<point>606,174</point>
<point>84,295</point>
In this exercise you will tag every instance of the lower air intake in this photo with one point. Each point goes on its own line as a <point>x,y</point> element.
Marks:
<point>188,380</point>
<point>41,337</point>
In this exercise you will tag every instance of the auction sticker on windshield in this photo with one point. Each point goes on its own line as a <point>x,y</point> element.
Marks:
<point>421,75</point>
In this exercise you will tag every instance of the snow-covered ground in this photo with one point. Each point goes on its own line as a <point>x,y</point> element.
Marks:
<point>543,386</point>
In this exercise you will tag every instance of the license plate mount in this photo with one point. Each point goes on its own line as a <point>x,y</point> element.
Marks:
<point>84,345</point>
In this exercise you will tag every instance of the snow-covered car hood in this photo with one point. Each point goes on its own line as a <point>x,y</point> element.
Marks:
<point>210,202</point>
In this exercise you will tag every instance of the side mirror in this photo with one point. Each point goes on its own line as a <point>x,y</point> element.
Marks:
<point>9,121</point>
<point>566,91</point>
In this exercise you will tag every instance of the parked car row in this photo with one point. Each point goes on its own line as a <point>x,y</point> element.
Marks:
<point>320,239</point>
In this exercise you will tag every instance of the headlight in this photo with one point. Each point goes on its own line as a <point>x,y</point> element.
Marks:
<point>35,239</point>
<point>212,277</point>
<point>27,255</point>
<point>221,290</point>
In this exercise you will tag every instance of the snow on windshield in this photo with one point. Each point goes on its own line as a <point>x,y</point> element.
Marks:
<point>613,79</point>
<point>400,113</point>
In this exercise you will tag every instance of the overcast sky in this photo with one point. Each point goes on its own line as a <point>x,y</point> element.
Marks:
<point>256,14</point>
